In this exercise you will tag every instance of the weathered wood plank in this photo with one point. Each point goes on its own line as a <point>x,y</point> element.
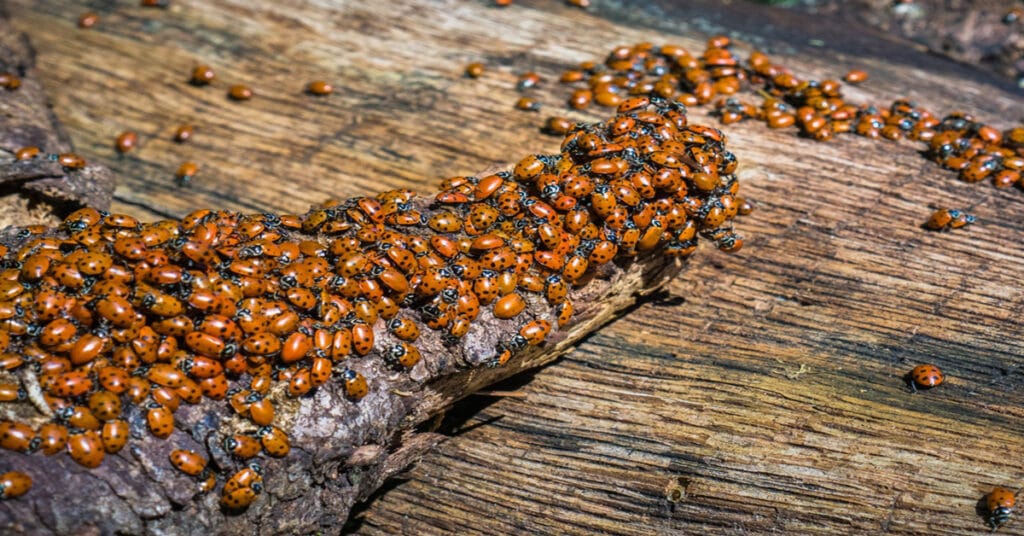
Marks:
<point>771,390</point>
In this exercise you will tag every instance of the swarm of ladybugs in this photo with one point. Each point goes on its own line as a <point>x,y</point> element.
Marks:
<point>109,312</point>
<point>817,109</point>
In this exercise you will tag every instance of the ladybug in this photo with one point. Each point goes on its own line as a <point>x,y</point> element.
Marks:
<point>202,75</point>
<point>528,104</point>
<point>18,437</point>
<point>274,440</point>
<point>528,169</point>
<point>105,405</point>
<point>190,392</point>
<point>509,306</point>
<point>261,411</point>
<point>188,461</point>
<point>242,446</point>
<point>262,343</point>
<point>160,420</point>
<point>575,267</point>
<point>320,371</point>
<point>248,476</point>
<point>52,438</point>
<point>474,70</point>
<point>185,172</point>
<point>183,133</point>
<point>14,484</point>
<point>204,344</point>
<point>404,354</point>
<point>580,98</point>
<point>300,383</point>
<point>565,312</point>
<point>138,389</point>
<point>114,435</point>
<point>939,219</point>
<point>856,76</point>
<point>166,375</point>
<point>57,332</point>
<point>555,125</point>
<point>527,80</point>
<point>10,392</point>
<point>240,499</point>
<point>295,347</point>
<point>319,88</point>
<point>208,481</point>
<point>503,356</point>
<point>535,331</point>
<point>215,387</point>
<point>126,141</point>
<point>445,222</point>
<point>355,384</point>
<point>555,289</point>
<point>1000,502</point>
<point>79,417</point>
<point>362,338</point>
<point>460,327</point>
<point>404,329</point>
<point>240,92</point>
<point>86,448</point>
<point>201,367</point>
<point>26,153</point>
<point>341,345</point>
<point>71,161</point>
<point>925,377</point>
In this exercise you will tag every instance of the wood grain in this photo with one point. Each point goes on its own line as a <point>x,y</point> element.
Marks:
<point>769,388</point>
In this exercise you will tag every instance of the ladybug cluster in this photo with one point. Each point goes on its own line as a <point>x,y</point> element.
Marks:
<point>110,313</point>
<point>817,109</point>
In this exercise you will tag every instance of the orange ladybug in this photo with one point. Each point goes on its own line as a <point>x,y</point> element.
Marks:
<point>240,499</point>
<point>188,461</point>
<point>925,377</point>
<point>86,448</point>
<point>14,484</point>
<point>274,440</point>
<point>355,384</point>
<point>1000,502</point>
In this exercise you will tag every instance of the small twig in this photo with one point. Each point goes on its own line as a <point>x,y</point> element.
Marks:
<point>504,394</point>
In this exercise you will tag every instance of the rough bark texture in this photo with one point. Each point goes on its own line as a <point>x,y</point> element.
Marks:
<point>38,190</point>
<point>769,391</point>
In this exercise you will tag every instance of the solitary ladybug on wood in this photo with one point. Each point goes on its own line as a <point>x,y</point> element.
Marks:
<point>925,377</point>
<point>1000,502</point>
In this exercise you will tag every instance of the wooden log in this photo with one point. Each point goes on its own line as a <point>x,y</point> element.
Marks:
<point>324,451</point>
<point>770,392</point>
